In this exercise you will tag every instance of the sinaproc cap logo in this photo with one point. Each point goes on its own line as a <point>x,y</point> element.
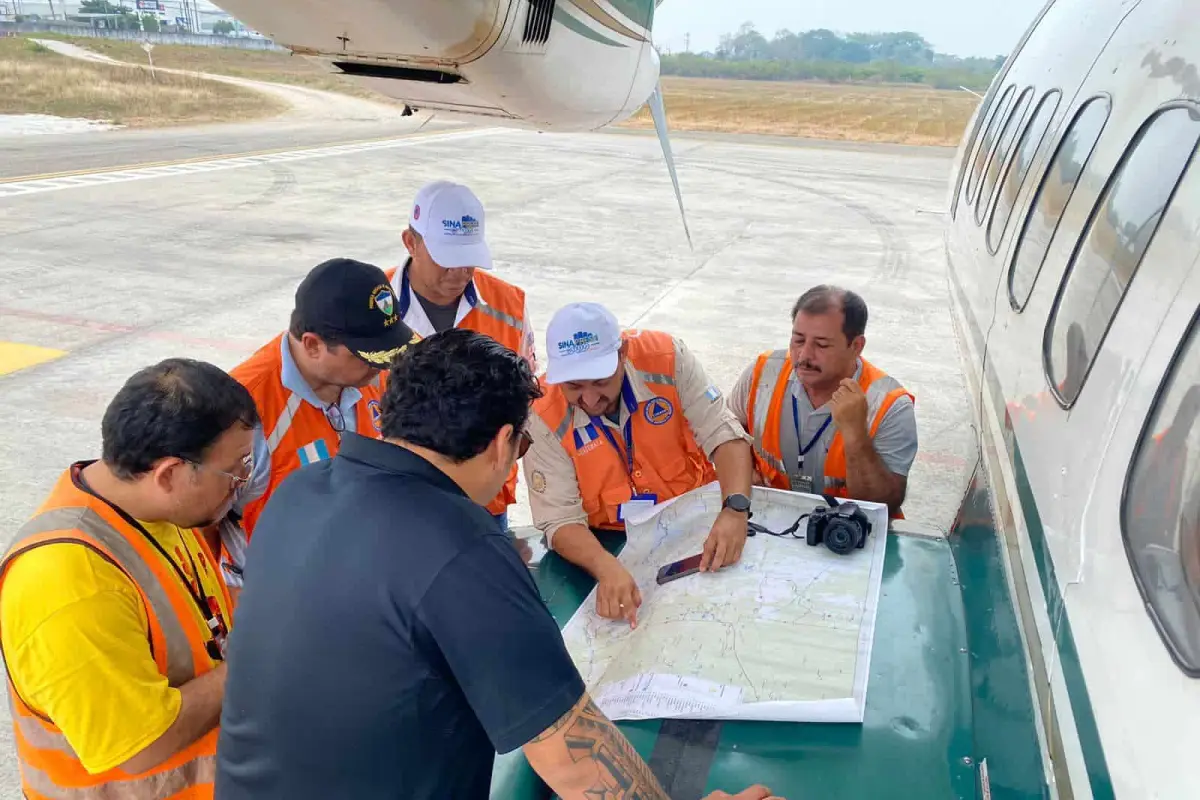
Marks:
<point>581,342</point>
<point>466,226</point>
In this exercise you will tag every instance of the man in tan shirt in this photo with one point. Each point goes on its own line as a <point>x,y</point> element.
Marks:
<point>628,419</point>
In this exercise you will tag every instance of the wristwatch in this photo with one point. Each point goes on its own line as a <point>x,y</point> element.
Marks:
<point>739,503</point>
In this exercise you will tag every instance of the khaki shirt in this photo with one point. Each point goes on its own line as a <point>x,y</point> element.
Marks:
<point>550,472</point>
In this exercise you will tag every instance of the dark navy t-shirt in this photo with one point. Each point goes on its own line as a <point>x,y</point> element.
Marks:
<point>388,641</point>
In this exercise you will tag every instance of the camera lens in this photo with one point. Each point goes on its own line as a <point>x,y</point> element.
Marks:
<point>841,536</point>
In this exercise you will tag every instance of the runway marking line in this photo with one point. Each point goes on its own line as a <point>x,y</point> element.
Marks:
<point>15,356</point>
<point>30,184</point>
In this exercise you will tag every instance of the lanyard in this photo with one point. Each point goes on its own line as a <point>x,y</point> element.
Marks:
<point>631,405</point>
<point>804,449</point>
<point>209,610</point>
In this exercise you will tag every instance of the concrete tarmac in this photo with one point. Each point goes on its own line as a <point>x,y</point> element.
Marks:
<point>100,279</point>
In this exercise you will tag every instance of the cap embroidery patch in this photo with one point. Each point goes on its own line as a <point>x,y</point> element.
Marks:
<point>383,299</point>
<point>376,415</point>
<point>581,342</point>
<point>416,212</point>
<point>381,357</point>
<point>659,411</point>
<point>466,226</point>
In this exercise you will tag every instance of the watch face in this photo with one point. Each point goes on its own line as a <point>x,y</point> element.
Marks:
<point>738,502</point>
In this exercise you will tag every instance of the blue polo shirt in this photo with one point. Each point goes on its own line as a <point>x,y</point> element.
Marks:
<point>388,642</point>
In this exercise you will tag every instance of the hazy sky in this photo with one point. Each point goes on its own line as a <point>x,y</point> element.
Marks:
<point>961,27</point>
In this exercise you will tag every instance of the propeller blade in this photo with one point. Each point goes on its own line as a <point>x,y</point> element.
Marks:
<point>659,112</point>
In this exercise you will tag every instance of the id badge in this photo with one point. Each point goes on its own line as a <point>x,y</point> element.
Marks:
<point>804,483</point>
<point>637,504</point>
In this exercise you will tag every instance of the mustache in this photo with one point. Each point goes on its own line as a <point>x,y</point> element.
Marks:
<point>807,365</point>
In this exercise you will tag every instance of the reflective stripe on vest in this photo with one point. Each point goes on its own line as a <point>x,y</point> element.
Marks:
<point>667,460</point>
<point>119,551</point>
<point>284,423</point>
<point>50,769</point>
<point>766,384</point>
<point>768,393</point>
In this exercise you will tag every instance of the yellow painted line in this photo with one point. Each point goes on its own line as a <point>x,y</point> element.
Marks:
<point>212,158</point>
<point>16,356</point>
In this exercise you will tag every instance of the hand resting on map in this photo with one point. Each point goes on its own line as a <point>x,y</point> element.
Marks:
<point>617,595</point>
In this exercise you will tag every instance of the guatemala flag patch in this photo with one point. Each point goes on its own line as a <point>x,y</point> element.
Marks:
<point>313,452</point>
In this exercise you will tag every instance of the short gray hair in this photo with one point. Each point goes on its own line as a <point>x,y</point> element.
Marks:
<point>824,298</point>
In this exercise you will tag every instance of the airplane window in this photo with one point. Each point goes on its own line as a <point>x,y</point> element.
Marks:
<point>986,143</point>
<point>1003,148</point>
<point>1120,229</point>
<point>1160,511</point>
<point>1014,179</point>
<point>1046,210</point>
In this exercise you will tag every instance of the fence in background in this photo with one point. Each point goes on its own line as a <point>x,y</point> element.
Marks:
<point>195,39</point>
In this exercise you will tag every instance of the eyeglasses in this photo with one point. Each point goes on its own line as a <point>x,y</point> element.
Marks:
<point>238,480</point>
<point>333,413</point>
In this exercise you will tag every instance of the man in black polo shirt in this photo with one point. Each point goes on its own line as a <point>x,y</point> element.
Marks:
<point>389,640</point>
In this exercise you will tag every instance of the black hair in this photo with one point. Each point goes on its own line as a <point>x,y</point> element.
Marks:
<point>298,326</point>
<point>823,298</point>
<point>177,408</point>
<point>453,392</point>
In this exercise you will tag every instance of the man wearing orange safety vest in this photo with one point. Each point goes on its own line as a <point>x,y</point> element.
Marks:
<point>824,419</point>
<point>447,283</point>
<point>113,614</point>
<point>314,382</point>
<point>627,420</point>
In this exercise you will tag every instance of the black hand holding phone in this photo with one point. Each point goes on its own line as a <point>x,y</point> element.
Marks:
<point>679,569</point>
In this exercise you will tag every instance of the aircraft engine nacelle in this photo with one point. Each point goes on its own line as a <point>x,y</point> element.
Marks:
<point>548,64</point>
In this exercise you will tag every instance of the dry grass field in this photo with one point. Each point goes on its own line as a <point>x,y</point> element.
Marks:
<point>34,80</point>
<point>849,112</point>
<point>863,113</point>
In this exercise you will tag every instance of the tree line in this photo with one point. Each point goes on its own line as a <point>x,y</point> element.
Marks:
<point>822,55</point>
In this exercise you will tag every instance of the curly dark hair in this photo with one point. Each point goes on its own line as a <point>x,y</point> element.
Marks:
<point>453,392</point>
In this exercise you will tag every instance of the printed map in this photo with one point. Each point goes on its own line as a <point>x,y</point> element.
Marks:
<point>785,634</point>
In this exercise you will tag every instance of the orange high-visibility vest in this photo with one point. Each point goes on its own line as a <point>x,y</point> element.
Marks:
<point>667,460</point>
<point>50,769</point>
<point>290,423</point>
<point>764,411</point>
<point>503,319</point>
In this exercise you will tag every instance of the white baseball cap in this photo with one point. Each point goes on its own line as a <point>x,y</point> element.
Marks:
<point>450,219</point>
<point>583,341</point>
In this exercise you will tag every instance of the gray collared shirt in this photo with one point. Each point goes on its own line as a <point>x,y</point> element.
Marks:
<point>895,441</point>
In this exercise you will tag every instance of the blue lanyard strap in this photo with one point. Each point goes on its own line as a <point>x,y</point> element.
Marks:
<point>804,449</point>
<point>631,405</point>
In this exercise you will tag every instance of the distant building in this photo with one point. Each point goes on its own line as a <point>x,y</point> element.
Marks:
<point>198,16</point>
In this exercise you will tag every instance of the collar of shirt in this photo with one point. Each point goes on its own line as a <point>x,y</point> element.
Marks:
<point>293,381</point>
<point>391,458</point>
<point>413,313</point>
<point>802,401</point>
<point>641,393</point>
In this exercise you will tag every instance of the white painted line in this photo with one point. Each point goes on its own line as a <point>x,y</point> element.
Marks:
<point>38,185</point>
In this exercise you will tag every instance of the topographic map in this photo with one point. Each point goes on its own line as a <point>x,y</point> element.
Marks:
<point>785,634</point>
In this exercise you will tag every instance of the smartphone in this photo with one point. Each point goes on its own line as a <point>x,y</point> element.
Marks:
<point>679,569</point>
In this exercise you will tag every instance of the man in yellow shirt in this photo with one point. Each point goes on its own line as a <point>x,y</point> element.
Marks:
<point>113,614</point>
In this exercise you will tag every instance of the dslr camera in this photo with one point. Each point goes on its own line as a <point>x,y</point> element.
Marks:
<point>843,527</point>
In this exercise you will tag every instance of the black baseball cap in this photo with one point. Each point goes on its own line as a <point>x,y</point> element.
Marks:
<point>353,302</point>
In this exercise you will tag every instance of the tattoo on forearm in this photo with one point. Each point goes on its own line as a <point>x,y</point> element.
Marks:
<point>621,774</point>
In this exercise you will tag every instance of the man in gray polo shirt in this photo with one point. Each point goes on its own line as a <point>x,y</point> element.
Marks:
<point>824,419</point>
